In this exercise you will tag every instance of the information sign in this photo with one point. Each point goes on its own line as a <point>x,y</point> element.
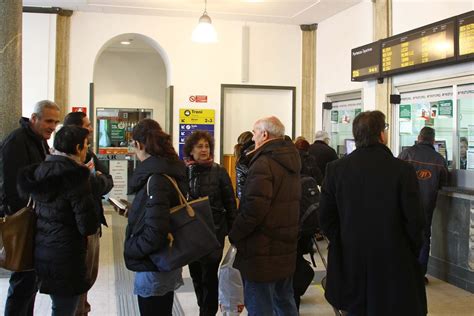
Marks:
<point>191,120</point>
<point>365,61</point>
<point>466,36</point>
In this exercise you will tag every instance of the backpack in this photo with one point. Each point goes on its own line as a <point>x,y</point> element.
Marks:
<point>309,207</point>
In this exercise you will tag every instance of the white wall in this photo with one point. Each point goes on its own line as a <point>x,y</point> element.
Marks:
<point>38,59</point>
<point>336,37</point>
<point>131,80</point>
<point>194,69</point>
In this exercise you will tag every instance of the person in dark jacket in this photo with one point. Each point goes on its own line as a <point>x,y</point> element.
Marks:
<point>64,205</point>
<point>207,178</point>
<point>101,183</point>
<point>265,231</point>
<point>321,150</point>
<point>309,165</point>
<point>22,147</point>
<point>149,218</point>
<point>244,145</point>
<point>371,213</point>
<point>432,173</point>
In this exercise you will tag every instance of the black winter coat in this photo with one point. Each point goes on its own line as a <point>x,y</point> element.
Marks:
<point>155,225</point>
<point>65,209</point>
<point>101,185</point>
<point>323,154</point>
<point>265,231</point>
<point>214,181</point>
<point>18,150</point>
<point>370,210</point>
<point>431,171</point>
<point>309,166</point>
<point>242,166</point>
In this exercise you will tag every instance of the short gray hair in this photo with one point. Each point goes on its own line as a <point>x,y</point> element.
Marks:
<point>44,104</point>
<point>272,125</point>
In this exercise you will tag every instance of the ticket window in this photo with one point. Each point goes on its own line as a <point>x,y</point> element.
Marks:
<point>433,108</point>
<point>341,117</point>
<point>465,136</point>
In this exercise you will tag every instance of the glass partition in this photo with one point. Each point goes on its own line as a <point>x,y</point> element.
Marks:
<point>465,136</point>
<point>341,117</point>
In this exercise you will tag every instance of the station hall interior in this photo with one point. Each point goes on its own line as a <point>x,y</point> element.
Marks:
<point>314,64</point>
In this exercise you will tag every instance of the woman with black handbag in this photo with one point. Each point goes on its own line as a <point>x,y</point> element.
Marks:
<point>149,217</point>
<point>64,204</point>
<point>207,178</point>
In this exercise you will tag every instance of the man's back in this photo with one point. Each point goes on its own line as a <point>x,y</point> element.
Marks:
<point>323,154</point>
<point>370,213</point>
<point>430,169</point>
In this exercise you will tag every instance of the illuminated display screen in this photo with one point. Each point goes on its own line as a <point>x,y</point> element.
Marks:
<point>423,47</point>
<point>466,36</point>
<point>365,62</point>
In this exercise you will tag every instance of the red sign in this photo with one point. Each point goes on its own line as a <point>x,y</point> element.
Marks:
<point>198,98</point>
<point>79,109</point>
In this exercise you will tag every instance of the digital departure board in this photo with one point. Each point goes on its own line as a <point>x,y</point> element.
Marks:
<point>465,24</point>
<point>365,62</point>
<point>423,47</point>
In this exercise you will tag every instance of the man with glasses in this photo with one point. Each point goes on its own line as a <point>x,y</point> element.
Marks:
<point>432,173</point>
<point>371,214</point>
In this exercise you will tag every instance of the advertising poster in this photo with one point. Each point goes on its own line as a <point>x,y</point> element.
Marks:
<point>191,120</point>
<point>405,112</point>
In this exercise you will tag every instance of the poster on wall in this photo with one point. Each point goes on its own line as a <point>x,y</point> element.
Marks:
<point>191,120</point>
<point>405,112</point>
<point>118,170</point>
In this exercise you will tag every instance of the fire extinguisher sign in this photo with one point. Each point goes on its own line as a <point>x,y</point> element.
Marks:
<point>80,109</point>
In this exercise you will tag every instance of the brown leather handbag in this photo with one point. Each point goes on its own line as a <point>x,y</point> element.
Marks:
<point>17,239</point>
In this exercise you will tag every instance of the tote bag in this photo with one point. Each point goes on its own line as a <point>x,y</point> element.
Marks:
<point>17,238</point>
<point>191,234</point>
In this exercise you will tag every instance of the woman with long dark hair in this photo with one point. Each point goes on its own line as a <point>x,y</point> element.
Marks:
<point>66,215</point>
<point>149,217</point>
<point>207,178</point>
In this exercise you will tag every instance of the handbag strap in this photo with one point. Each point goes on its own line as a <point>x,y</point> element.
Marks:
<point>183,200</point>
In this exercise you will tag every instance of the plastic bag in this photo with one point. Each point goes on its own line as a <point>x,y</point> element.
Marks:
<point>231,287</point>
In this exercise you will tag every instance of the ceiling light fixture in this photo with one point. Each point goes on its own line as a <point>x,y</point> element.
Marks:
<point>127,42</point>
<point>204,32</point>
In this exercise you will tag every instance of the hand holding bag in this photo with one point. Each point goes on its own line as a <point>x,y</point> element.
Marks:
<point>17,238</point>
<point>191,235</point>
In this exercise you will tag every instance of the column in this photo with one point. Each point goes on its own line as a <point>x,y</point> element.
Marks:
<point>308,84</point>
<point>10,65</point>
<point>383,29</point>
<point>61,85</point>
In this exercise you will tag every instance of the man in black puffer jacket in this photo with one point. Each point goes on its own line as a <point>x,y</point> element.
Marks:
<point>24,146</point>
<point>266,230</point>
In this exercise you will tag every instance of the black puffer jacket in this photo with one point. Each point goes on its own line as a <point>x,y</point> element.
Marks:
<point>214,182</point>
<point>152,236</point>
<point>242,166</point>
<point>65,209</point>
<point>18,150</point>
<point>309,167</point>
<point>266,230</point>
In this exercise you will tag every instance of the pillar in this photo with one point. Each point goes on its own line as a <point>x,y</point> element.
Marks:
<point>308,85</point>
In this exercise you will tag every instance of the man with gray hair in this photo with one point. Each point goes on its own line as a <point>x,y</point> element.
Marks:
<point>321,150</point>
<point>24,146</point>
<point>266,230</point>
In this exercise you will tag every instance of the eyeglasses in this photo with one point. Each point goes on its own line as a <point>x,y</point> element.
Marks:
<point>386,126</point>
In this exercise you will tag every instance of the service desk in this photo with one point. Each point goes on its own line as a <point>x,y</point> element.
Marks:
<point>452,241</point>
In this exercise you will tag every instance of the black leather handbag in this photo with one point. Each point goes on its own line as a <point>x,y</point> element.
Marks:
<point>191,235</point>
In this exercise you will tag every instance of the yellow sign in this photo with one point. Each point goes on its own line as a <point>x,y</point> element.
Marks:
<point>196,116</point>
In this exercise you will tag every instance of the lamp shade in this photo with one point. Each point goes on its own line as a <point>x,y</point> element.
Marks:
<point>204,32</point>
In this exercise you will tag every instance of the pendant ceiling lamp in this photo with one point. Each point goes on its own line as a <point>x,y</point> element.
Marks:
<point>204,32</point>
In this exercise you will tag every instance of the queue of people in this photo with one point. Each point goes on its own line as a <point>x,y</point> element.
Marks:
<point>371,211</point>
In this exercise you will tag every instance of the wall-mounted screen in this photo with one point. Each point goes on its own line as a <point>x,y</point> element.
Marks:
<point>350,145</point>
<point>365,62</point>
<point>465,24</point>
<point>420,48</point>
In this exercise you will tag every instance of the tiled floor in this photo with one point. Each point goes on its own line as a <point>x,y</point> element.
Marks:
<point>443,299</point>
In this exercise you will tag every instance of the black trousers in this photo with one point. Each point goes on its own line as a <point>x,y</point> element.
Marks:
<point>21,294</point>
<point>156,305</point>
<point>206,284</point>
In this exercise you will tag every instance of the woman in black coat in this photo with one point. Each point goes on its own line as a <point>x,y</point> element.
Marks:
<point>66,215</point>
<point>207,178</point>
<point>149,217</point>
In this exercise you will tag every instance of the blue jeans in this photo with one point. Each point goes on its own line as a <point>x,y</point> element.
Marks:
<point>64,305</point>
<point>270,299</point>
<point>21,294</point>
